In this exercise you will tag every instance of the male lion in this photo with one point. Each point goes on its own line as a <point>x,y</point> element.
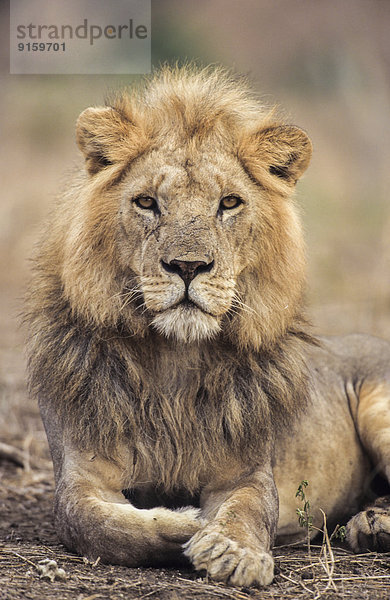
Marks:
<point>180,391</point>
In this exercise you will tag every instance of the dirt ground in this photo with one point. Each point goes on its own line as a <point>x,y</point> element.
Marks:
<point>27,535</point>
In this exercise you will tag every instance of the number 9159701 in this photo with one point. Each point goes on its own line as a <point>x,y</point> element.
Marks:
<point>42,47</point>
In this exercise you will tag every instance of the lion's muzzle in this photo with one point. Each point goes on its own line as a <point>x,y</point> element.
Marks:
<point>187,269</point>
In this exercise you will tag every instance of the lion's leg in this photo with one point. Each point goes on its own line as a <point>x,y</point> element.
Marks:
<point>370,529</point>
<point>235,544</point>
<point>94,519</point>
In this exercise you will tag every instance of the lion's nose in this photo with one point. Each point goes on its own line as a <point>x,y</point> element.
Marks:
<point>187,269</point>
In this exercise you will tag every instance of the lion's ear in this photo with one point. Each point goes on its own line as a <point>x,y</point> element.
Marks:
<point>283,150</point>
<point>105,137</point>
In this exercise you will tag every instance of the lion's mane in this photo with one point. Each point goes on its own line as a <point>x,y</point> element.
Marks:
<point>95,360</point>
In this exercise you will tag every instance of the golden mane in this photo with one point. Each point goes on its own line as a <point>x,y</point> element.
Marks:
<point>199,103</point>
<point>92,353</point>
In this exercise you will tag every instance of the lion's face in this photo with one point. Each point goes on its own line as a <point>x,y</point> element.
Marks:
<point>188,226</point>
<point>191,226</point>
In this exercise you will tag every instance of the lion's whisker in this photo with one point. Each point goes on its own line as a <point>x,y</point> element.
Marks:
<point>125,292</point>
<point>129,297</point>
<point>245,307</point>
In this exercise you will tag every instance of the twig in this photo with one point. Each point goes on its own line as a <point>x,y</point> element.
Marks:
<point>19,556</point>
<point>26,452</point>
<point>149,594</point>
<point>12,454</point>
<point>297,583</point>
<point>213,588</point>
<point>357,578</point>
<point>327,551</point>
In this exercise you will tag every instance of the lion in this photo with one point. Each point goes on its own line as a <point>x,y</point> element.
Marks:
<point>183,395</point>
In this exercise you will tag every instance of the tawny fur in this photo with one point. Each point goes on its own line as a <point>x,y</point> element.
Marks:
<point>175,391</point>
<point>84,323</point>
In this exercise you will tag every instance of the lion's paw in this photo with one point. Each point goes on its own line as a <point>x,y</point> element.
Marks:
<point>224,560</point>
<point>370,529</point>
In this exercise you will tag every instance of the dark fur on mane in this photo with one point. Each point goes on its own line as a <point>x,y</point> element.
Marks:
<point>177,420</point>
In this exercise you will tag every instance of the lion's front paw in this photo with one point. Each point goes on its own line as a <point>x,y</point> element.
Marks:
<point>370,529</point>
<point>224,560</point>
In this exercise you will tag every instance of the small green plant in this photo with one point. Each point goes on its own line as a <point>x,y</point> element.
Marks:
<point>340,533</point>
<point>305,519</point>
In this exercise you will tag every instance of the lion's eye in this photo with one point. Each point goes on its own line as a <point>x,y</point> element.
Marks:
<point>146,202</point>
<point>229,202</point>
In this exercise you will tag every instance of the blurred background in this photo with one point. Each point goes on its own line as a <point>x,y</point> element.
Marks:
<point>325,62</point>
